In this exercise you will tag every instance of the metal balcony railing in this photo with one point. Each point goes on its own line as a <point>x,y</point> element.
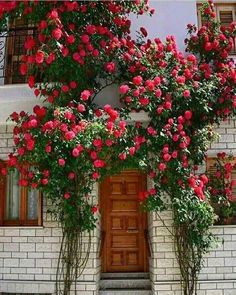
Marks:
<point>11,51</point>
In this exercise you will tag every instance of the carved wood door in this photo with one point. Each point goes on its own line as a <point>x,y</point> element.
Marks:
<point>123,223</point>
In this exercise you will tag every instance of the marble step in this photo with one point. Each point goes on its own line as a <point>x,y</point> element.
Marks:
<point>125,292</point>
<point>125,275</point>
<point>125,283</point>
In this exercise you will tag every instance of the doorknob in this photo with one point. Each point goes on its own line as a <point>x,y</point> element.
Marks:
<point>133,231</point>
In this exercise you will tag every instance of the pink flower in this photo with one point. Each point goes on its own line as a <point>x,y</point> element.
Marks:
<point>30,145</point>
<point>95,175</point>
<point>75,152</point>
<point>33,123</point>
<point>48,149</point>
<point>94,209</point>
<point>93,155</point>
<point>23,69</point>
<point>122,156</point>
<point>110,67</point>
<point>97,142</point>
<point>85,95</point>
<point>44,181</point>
<point>124,89</point>
<point>99,163</point>
<point>81,108</point>
<point>132,151</point>
<point>85,38</point>
<point>61,162</point>
<point>167,157</point>
<point>142,196</point>
<point>162,166</point>
<point>39,57</point>
<point>57,33</point>
<point>186,93</point>
<point>69,135</point>
<point>31,81</point>
<point>53,14</point>
<point>66,196</point>
<point>144,101</point>
<point>71,175</point>
<point>137,80</point>
<point>188,115</point>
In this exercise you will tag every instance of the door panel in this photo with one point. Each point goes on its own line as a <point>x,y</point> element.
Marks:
<point>124,223</point>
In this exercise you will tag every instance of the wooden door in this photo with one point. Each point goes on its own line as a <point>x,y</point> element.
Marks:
<point>123,223</point>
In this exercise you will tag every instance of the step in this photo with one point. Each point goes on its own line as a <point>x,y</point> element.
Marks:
<point>125,292</point>
<point>125,283</point>
<point>125,275</point>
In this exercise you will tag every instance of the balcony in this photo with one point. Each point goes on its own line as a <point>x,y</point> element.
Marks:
<point>11,51</point>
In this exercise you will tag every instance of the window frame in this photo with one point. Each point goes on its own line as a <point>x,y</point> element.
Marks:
<point>210,161</point>
<point>23,212</point>
<point>10,55</point>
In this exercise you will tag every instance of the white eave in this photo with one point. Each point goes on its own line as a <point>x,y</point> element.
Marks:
<point>16,97</point>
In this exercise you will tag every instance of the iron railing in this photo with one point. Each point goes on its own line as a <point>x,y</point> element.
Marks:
<point>11,51</point>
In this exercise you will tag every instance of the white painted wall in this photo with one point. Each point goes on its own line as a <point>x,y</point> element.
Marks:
<point>171,18</point>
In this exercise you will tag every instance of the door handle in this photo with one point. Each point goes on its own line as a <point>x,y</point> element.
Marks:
<point>133,231</point>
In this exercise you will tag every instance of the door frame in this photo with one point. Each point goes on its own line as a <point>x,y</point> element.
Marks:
<point>103,232</point>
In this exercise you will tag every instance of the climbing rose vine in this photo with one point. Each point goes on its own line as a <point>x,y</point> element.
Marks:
<point>70,143</point>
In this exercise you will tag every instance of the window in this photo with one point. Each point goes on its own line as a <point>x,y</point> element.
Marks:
<point>14,43</point>
<point>226,211</point>
<point>19,206</point>
<point>225,13</point>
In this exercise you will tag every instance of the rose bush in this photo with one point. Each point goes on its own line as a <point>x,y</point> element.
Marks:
<point>71,143</point>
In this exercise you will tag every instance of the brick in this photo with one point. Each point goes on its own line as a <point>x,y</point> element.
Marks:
<point>34,270</point>
<point>27,262</point>
<point>214,292</point>
<point>25,232</point>
<point>19,239</point>
<point>226,138</point>
<point>229,245</point>
<point>19,254</point>
<point>13,262</point>
<point>43,263</point>
<point>11,247</point>
<point>230,261</point>
<point>27,247</point>
<point>12,232</point>
<point>215,261</point>
<point>35,255</point>
<point>41,247</point>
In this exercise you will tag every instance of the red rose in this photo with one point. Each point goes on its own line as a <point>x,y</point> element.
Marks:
<point>61,162</point>
<point>110,67</point>
<point>69,135</point>
<point>66,196</point>
<point>137,80</point>
<point>94,209</point>
<point>188,115</point>
<point>85,95</point>
<point>23,69</point>
<point>99,163</point>
<point>124,89</point>
<point>31,81</point>
<point>57,33</point>
<point>81,108</point>
<point>39,57</point>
